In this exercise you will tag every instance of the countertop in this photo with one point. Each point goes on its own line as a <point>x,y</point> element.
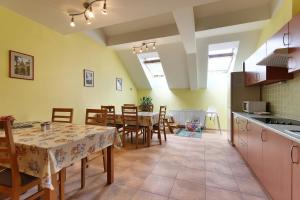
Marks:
<point>277,128</point>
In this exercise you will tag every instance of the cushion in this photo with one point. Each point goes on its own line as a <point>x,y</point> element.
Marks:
<point>5,178</point>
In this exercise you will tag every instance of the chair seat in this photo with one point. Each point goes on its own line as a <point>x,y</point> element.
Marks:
<point>133,128</point>
<point>5,178</point>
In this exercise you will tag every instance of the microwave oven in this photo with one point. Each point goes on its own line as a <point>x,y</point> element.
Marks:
<point>254,106</point>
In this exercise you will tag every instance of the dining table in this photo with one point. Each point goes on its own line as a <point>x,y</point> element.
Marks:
<point>145,119</point>
<point>46,153</point>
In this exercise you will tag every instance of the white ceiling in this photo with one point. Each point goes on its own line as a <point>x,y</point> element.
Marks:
<point>54,13</point>
<point>183,29</point>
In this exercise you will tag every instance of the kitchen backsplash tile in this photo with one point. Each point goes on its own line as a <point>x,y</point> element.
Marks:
<point>284,98</point>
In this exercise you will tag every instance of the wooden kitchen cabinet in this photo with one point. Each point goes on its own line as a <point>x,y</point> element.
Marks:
<point>240,135</point>
<point>277,165</point>
<point>235,130</point>
<point>279,40</point>
<point>255,157</point>
<point>294,42</point>
<point>295,156</point>
<point>258,74</point>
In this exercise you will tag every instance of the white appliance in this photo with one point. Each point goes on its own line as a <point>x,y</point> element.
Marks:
<point>238,93</point>
<point>254,106</point>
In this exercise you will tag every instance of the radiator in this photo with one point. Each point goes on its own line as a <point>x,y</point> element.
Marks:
<point>182,116</point>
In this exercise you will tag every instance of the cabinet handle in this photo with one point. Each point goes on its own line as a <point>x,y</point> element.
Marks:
<point>261,135</point>
<point>247,126</point>
<point>284,39</point>
<point>292,155</point>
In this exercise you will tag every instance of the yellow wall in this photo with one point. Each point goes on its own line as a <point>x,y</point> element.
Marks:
<point>59,63</point>
<point>176,99</point>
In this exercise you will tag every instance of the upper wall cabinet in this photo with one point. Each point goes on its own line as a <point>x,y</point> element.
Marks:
<point>258,74</point>
<point>277,58</point>
<point>294,43</point>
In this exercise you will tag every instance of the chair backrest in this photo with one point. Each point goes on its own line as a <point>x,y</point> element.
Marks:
<point>151,107</point>
<point>64,115</point>
<point>111,114</point>
<point>96,117</point>
<point>8,156</point>
<point>129,105</point>
<point>130,116</point>
<point>162,115</point>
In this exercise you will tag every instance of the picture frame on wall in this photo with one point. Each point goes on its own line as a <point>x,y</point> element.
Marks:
<point>88,77</point>
<point>119,84</point>
<point>21,66</point>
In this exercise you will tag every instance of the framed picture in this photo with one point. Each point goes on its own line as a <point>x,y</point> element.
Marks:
<point>21,65</point>
<point>119,84</point>
<point>88,78</point>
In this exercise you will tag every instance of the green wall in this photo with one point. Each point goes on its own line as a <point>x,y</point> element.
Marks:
<point>59,63</point>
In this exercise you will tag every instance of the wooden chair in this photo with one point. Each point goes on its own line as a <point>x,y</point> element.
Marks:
<point>129,105</point>
<point>12,182</point>
<point>94,117</point>
<point>160,126</point>
<point>131,124</point>
<point>64,115</point>
<point>171,124</point>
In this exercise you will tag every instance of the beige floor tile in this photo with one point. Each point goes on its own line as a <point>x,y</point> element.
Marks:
<point>219,194</point>
<point>132,178</point>
<point>184,190</point>
<point>141,195</point>
<point>251,197</point>
<point>218,167</point>
<point>192,175</point>
<point>116,192</point>
<point>221,181</point>
<point>158,185</point>
<point>166,169</point>
<point>250,186</point>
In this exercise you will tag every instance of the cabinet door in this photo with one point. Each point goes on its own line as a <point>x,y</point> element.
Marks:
<point>243,132</point>
<point>255,149</point>
<point>279,40</point>
<point>296,171</point>
<point>294,42</point>
<point>235,130</point>
<point>277,166</point>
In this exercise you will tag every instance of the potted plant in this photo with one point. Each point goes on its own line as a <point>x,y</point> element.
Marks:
<point>146,104</point>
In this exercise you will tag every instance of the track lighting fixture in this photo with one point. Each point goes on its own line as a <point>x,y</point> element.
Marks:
<point>145,46</point>
<point>88,13</point>
<point>72,23</point>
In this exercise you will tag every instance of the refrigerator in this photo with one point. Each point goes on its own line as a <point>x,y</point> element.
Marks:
<point>238,93</point>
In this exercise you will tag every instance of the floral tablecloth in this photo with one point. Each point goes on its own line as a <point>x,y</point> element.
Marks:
<point>144,118</point>
<point>43,153</point>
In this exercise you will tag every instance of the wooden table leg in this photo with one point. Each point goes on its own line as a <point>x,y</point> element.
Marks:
<point>51,194</point>
<point>110,164</point>
<point>148,130</point>
<point>62,180</point>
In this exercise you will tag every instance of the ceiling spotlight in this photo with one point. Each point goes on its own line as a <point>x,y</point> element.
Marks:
<point>104,9</point>
<point>90,13</point>
<point>72,23</point>
<point>88,21</point>
<point>144,46</point>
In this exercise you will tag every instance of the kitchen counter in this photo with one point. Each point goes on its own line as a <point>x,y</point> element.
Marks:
<point>277,128</point>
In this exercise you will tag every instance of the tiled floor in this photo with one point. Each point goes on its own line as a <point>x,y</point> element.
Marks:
<point>180,169</point>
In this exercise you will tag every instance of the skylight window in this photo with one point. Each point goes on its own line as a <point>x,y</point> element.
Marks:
<point>153,69</point>
<point>221,57</point>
